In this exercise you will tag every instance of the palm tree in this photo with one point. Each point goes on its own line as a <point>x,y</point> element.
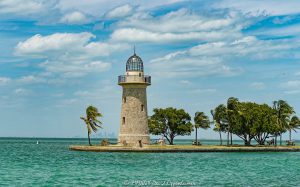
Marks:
<point>91,121</point>
<point>293,125</point>
<point>218,129</point>
<point>220,119</point>
<point>232,108</point>
<point>201,121</point>
<point>283,113</point>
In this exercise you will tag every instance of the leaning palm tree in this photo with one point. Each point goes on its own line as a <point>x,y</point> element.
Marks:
<point>91,121</point>
<point>283,113</point>
<point>293,125</point>
<point>219,115</point>
<point>217,128</point>
<point>201,121</point>
<point>232,109</point>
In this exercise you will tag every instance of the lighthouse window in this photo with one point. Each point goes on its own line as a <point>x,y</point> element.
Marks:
<point>123,120</point>
<point>142,107</point>
<point>140,74</point>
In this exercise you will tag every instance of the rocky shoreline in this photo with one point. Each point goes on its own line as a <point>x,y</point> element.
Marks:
<point>169,149</point>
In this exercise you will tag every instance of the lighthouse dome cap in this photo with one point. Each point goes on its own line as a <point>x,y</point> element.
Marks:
<point>134,63</point>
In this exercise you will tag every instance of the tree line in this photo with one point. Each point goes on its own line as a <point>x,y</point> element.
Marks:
<point>247,120</point>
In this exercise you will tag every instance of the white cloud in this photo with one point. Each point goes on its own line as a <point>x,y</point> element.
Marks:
<point>30,79</point>
<point>41,11</point>
<point>21,91</point>
<point>67,102</point>
<point>78,69</point>
<point>256,7</point>
<point>75,17</point>
<point>69,54</point>
<point>291,84</point>
<point>4,81</point>
<point>120,12</point>
<point>106,91</point>
<point>66,45</point>
<point>58,11</point>
<point>182,64</point>
<point>19,7</point>
<point>212,58</point>
<point>292,87</point>
<point>100,7</point>
<point>177,26</point>
<point>58,94</point>
<point>39,45</point>
<point>290,92</point>
<point>285,31</point>
<point>257,85</point>
<point>204,91</point>
<point>186,82</point>
<point>180,21</point>
<point>137,35</point>
<point>248,46</point>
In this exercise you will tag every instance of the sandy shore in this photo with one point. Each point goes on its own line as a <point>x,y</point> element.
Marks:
<point>185,148</point>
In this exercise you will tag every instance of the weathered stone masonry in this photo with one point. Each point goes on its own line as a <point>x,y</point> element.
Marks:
<point>134,116</point>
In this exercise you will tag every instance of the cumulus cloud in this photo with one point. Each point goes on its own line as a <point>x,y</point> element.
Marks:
<point>248,45</point>
<point>120,12</point>
<point>180,25</point>
<point>137,35</point>
<point>19,7</point>
<point>75,17</point>
<point>70,54</point>
<point>42,11</point>
<point>39,45</point>
<point>212,58</point>
<point>180,21</point>
<point>184,65</point>
<point>98,7</point>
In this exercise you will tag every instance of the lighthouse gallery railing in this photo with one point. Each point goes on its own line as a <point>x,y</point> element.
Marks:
<point>134,79</point>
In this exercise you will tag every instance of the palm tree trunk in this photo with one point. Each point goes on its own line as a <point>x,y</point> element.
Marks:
<point>228,138</point>
<point>280,139</point>
<point>196,136</point>
<point>276,140</point>
<point>220,138</point>
<point>290,134</point>
<point>89,139</point>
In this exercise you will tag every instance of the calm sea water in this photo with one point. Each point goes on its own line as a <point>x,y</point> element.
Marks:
<point>50,163</point>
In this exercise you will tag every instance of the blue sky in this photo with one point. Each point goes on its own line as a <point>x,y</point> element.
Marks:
<point>59,56</point>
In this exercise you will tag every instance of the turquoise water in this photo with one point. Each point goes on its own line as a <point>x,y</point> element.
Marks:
<point>50,163</point>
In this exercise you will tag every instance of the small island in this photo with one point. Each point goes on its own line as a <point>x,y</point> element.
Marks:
<point>251,122</point>
<point>184,148</point>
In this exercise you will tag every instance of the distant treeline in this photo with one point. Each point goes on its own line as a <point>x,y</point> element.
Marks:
<point>247,120</point>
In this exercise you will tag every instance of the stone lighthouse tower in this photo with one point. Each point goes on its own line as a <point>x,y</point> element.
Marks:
<point>134,116</point>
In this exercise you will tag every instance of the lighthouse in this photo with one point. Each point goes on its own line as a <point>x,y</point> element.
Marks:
<point>134,116</point>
